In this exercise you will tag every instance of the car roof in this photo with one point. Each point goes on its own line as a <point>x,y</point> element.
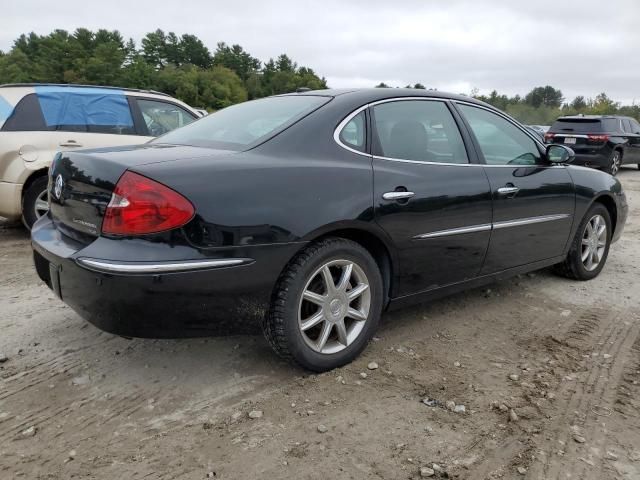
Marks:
<point>375,94</point>
<point>589,117</point>
<point>76,85</point>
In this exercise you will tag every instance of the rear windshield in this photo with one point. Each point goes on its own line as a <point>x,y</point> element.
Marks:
<point>586,125</point>
<point>244,125</point>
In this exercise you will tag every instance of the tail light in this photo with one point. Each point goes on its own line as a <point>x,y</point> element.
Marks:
<point>141,206</point>
<point>548,137</point>
<point>598,138</point>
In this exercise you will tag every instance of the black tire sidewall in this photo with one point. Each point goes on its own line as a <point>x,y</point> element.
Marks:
<point>29,199</point>
<point>298,348</point>
<point>576,249</point>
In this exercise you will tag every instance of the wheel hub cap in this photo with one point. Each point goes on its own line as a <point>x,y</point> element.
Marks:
<point>594,242</point>
<point>334,306</point>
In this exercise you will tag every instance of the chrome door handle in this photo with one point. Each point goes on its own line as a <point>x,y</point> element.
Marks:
<point>508,190</point>
<point>70,143</point>
<point>397,195</point>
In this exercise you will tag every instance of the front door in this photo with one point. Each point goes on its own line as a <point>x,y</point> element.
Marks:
<point>434,204</point>
<point>533,200</point>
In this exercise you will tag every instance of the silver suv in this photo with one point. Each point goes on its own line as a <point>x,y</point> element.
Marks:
<point>39,120</point>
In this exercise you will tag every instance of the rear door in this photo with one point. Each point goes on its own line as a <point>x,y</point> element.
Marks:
<point>533,201</point>
<point>428,196</point>
<point>86,117</point>
<point>632,129</point>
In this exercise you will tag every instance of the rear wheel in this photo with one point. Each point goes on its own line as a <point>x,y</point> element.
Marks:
<point>614,163</point>
<point>34,201</point>
<point>590,247</point>
<point>326,305</point>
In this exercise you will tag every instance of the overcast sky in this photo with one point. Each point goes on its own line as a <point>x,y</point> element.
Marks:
<point>582,47</point>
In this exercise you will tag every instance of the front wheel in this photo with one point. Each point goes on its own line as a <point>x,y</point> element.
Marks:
<point>35,202</point>
<point>614,163</point>
<point>590,247</point>
<point>326,305</point>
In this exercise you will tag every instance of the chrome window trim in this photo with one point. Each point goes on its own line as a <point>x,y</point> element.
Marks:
<point>157,268</point>
<point>349,117</point>
<point>492,226</point>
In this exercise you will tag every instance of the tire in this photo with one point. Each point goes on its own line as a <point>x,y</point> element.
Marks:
<point>615,162</point>
<point>31,201</point>
<point>284,324</point>
<point>574,266</point>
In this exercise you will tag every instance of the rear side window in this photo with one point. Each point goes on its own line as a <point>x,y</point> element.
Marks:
<point>635,127</point>
<point>419,130</point>
<point>353,134</point>
<point>162,117</point>
<point>573,125</point>
<point>94,110</point>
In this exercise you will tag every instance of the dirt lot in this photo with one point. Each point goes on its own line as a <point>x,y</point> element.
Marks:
<point>563,356</point>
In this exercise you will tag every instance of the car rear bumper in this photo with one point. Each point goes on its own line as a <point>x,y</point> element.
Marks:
<point>10,200</point>
<point>202,296</point>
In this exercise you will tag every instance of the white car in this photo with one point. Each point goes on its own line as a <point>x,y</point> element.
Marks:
<point>39,120</point>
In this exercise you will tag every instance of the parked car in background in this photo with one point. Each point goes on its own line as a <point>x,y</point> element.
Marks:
<point>38,120</point>
<point>536,131</point>
<point>312,213</point>
<point>604,142</point>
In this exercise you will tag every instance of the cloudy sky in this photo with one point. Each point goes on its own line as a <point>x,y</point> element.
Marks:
<point>582,47</point>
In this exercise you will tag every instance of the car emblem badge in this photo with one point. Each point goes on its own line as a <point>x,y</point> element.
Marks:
<point>57,189</point>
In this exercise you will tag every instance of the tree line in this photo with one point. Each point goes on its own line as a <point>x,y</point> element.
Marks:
<point>543,105</point>
<point>181,66</point>
<point>184,67</point>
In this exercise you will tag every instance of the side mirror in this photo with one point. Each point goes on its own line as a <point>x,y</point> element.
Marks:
<point>560,154</point>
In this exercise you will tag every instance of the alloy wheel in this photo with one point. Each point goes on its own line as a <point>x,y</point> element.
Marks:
<point>41,205</point>
<point>615,163</point>
<point>334,306</point>
<point>594,242</point>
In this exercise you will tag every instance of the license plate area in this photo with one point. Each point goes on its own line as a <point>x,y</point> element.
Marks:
<point>570,140</point>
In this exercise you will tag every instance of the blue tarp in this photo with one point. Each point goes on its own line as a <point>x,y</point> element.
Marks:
<point>5,110</point>
<point>83,106</point>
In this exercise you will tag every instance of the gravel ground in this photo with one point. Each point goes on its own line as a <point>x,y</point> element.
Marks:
<point>548,372</point>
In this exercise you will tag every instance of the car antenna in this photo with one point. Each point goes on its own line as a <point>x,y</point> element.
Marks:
<point>303,89</point>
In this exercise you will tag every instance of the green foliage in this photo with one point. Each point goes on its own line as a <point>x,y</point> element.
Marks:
<point>181,66</point>
<point>543,105</point>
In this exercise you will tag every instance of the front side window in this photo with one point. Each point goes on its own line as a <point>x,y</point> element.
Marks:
<point>419,130</point>
<point>501,142</point>
<point>246,124</point>
<point>162,117</point>
<point>635,127</point>
<point>353,134</point>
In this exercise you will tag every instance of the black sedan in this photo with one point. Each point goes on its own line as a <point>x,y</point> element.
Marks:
<point>313,212</point>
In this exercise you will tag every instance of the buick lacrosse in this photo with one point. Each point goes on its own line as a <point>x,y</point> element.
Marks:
<point>313,212</point>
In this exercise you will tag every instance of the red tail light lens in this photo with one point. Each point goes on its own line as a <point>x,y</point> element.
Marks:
<point>140,206</point>
<point>548,137</point>
<point>598,138</point>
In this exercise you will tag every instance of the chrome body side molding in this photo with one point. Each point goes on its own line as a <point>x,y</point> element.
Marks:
<point>492,226</point>
<point>159,268</point>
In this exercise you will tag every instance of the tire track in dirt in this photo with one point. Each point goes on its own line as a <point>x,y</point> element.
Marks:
<point>613,336</point>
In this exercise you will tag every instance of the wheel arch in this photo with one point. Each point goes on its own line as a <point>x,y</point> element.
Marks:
<point>42,172</point>
<point>610,204</point>
<point>371,238</point>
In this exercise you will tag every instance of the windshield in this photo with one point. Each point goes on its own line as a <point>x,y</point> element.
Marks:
<point>243,125</point>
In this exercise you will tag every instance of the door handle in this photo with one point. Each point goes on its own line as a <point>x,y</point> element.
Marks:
<point>508,190</point>
<point>397,195</point>
<point>70,143</point>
